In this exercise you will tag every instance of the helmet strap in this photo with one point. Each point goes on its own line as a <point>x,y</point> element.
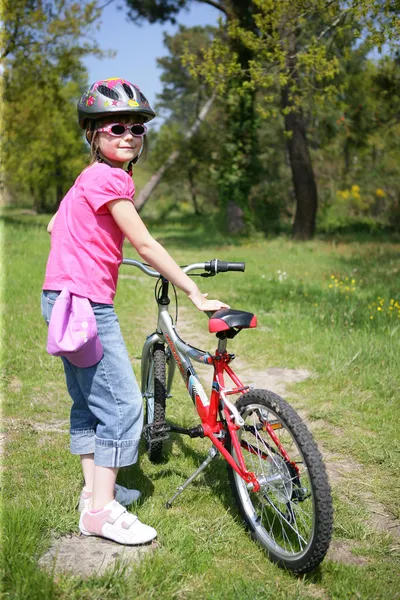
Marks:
<point>101,159</point>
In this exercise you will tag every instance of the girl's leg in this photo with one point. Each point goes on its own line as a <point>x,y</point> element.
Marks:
<point>113,396</point>
<point>87,462</point>
<point>103,486</point>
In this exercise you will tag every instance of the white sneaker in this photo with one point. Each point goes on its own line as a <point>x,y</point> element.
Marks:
<point>115,523</point>
<point>122,495</point>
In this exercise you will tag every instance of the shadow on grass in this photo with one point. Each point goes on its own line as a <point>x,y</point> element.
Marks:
<point>378,264</point>
<point>191,231</point>
<point>26,221</point>
<point>362,233</point>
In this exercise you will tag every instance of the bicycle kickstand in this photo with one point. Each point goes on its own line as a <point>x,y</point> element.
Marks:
<point>212,453</point>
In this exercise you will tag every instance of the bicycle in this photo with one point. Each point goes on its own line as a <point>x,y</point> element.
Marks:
<point>276,472</point>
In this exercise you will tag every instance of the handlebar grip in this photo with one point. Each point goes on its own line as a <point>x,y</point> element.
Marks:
<point>222,266</point>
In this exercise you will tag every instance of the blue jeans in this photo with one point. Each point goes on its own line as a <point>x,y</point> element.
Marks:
<point>107,408</point>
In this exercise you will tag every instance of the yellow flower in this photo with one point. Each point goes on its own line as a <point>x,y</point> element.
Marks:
<point>380,193</point>
<point>355,189</point>
<point>332,277</point>
<point>379,308</point>
<point>330,285</point>
<point>371,317</point>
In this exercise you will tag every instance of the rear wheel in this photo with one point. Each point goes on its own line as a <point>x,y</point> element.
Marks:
<point>291,515</point>
<point>155,395</point>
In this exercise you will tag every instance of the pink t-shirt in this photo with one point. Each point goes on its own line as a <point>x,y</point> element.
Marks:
<point>86,242</point>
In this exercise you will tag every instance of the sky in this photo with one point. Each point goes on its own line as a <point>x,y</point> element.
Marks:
<point>138,47</point>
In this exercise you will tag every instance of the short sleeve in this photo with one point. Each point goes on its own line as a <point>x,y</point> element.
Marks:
<point>102,184</point>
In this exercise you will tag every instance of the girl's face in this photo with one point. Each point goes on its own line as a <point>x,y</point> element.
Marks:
<point>122,149</point>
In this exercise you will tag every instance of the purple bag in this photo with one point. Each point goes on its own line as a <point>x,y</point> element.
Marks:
<point>73,331</point>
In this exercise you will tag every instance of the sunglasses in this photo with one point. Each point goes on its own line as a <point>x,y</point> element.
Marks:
<point>118,129</point>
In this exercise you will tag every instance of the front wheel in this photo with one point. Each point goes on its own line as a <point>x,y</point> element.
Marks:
<point>155,396</point>
<point>291,516</point>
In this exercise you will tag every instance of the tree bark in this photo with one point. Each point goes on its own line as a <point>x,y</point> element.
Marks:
<point>155,179</point>
<point>300,160</point>
<point>193,191</point>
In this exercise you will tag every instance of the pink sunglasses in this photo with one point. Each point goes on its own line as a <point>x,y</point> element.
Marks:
<point>118,129</point>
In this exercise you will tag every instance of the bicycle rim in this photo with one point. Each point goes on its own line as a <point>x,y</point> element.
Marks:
<point>291,515</point>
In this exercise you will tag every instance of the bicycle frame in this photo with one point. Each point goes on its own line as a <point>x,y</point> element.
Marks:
<point>207,408</point>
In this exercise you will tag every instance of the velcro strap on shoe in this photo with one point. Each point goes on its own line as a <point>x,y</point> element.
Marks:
<point>116,513</point>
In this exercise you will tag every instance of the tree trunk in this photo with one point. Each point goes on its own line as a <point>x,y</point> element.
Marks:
<point>193,191</point>
<point>155,179</point>
<point>300,161</point>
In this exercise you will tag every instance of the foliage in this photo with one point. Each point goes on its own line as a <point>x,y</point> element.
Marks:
<point>313,23</point>
<point>295,50</point>
<point>181,101</point>
<point>43,77</point>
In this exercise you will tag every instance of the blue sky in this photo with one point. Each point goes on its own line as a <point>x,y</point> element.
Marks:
<point>138,47</point>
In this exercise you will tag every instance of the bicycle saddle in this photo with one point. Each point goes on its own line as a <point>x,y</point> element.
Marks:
<point>227,318</point>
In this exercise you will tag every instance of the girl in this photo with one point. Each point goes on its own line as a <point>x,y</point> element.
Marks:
<point>87,234</point>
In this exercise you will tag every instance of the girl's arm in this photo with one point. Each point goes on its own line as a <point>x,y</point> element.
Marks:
<point>153,253</point>
<point>51,223</point>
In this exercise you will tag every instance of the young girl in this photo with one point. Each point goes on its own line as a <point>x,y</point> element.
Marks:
<point>87,234</point>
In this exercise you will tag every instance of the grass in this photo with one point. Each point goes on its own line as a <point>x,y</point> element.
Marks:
<point>307,319</point>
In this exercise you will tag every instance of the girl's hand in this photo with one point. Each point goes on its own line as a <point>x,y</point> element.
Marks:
<point>200,301</point>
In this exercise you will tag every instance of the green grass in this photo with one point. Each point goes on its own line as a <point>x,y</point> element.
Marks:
<point>351,401</point>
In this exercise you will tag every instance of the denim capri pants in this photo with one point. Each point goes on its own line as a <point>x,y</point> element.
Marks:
<point>107,408</point>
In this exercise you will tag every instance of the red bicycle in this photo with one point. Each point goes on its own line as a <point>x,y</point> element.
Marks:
<point>276,471</point>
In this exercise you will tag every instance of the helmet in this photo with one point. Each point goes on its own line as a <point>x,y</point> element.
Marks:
<point>109,96</point>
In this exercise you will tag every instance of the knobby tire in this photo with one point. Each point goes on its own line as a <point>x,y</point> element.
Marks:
<point>291,516</point>
<point>158,385</point>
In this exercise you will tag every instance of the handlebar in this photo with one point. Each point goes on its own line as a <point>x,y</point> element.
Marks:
<point>221,266</point>
<point>213,267</point>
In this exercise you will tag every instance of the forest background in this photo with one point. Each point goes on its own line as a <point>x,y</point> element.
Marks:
<point>284,118</point>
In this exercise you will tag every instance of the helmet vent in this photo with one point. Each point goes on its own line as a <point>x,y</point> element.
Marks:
<point>128,90</point>
<point>143,98</point>
<point>105,91</point>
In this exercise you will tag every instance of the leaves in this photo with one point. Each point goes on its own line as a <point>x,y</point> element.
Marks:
<point>43,47</point>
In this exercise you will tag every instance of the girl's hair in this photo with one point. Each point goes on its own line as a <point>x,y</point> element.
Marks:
<point>91,134</point>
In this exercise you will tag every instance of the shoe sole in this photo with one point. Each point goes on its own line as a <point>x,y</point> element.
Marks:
<point>122,543</point>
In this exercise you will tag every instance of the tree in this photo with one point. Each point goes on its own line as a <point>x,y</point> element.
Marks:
<point>240,170</point>
<point>42,51</point>
<point>185,104</point>
<point>293,50</point>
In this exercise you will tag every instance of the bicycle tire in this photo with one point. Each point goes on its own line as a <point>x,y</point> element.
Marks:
<point>156,389</point>
<point>291,516</point>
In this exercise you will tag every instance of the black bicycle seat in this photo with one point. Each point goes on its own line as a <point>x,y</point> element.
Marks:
<point>227,318</point>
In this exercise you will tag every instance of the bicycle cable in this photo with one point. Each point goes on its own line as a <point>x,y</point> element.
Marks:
<point>157,289</point>
<point>157,295</point>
